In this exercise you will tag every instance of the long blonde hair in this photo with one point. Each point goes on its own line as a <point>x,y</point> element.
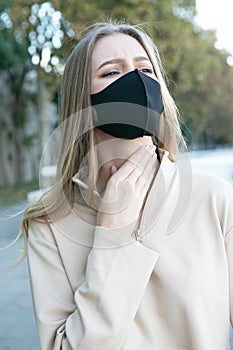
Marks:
<point>75,97</point>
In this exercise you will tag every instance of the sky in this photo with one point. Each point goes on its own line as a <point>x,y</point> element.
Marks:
<point>218,15</point>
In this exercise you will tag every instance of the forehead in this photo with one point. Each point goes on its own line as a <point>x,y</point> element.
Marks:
<point>115,46</point>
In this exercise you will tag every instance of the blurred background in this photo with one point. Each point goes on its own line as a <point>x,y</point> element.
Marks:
<point>36,37</point>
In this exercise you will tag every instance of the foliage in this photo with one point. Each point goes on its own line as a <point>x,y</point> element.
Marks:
<point>199,78</point>
<point>30,35</point>
<point>37,36</point>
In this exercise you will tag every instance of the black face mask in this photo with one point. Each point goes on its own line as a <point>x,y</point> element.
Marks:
<point>130,107</point>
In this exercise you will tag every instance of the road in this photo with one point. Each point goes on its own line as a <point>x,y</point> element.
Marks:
<point>17,325</point>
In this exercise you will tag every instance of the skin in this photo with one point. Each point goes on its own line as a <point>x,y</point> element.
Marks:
<point>114,56</point>
<point>128,165</point>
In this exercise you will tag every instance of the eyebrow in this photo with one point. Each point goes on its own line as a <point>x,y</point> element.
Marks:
<point>119,60</point>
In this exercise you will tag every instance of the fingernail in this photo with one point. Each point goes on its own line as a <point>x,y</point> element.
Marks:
<point>146,146</point>
<point>113,169</point>
<point>154,156</point>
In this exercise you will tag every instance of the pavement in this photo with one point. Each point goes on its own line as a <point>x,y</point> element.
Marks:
<point>17,324</point>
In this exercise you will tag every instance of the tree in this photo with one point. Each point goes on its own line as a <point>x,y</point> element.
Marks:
<point>14,68</point>
<point>30,35</point>
<point>37,36</point>
<point>195,67</point>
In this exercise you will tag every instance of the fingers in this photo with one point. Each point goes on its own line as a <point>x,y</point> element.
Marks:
<point>136,164</point>
<point>137,172</point>
<point>144,181</point>
<point>151,166</point>
<point>127,188</point>
<point>144,168</point>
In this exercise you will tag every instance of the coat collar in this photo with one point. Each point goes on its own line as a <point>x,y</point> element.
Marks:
<point>159,203</point>
<point>80,179</point>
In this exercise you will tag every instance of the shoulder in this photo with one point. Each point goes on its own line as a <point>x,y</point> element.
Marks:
<point>212,184</point>
<point>217,194</point>
<point>40,230</point>
<point>49,229</point>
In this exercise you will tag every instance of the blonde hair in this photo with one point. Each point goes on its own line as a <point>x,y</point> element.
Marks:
<point>75,97</point>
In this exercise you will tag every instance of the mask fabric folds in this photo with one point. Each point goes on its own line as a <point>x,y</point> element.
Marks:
<point>130,107</point>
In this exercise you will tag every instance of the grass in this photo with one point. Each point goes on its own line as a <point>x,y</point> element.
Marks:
<point>10,195</point>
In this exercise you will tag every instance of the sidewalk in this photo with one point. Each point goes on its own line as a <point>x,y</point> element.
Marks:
<point>17,325</point>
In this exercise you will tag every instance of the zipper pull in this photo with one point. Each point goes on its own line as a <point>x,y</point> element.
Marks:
<point>139,238</point>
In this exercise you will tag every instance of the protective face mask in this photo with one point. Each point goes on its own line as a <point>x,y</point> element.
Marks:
<point>130,107</point>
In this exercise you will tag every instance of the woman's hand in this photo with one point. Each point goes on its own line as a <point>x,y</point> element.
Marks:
<point>126,190</point>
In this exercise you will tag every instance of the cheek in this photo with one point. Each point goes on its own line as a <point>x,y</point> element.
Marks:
<point>98,84</point>
<point>95,86</point>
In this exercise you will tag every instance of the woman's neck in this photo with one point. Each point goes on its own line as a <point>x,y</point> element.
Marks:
<point>112,153</point>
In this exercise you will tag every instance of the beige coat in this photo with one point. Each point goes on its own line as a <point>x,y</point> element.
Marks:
<point>168,288</point>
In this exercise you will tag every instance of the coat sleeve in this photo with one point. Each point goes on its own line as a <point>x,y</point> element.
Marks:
<point>229,249</point>
<point>227,225</point>
<point>99,313</point>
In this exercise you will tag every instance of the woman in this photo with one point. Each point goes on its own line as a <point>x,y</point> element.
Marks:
<point>129,249</point>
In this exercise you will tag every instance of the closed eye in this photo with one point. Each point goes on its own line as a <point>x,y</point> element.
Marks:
<point>110,73</point>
